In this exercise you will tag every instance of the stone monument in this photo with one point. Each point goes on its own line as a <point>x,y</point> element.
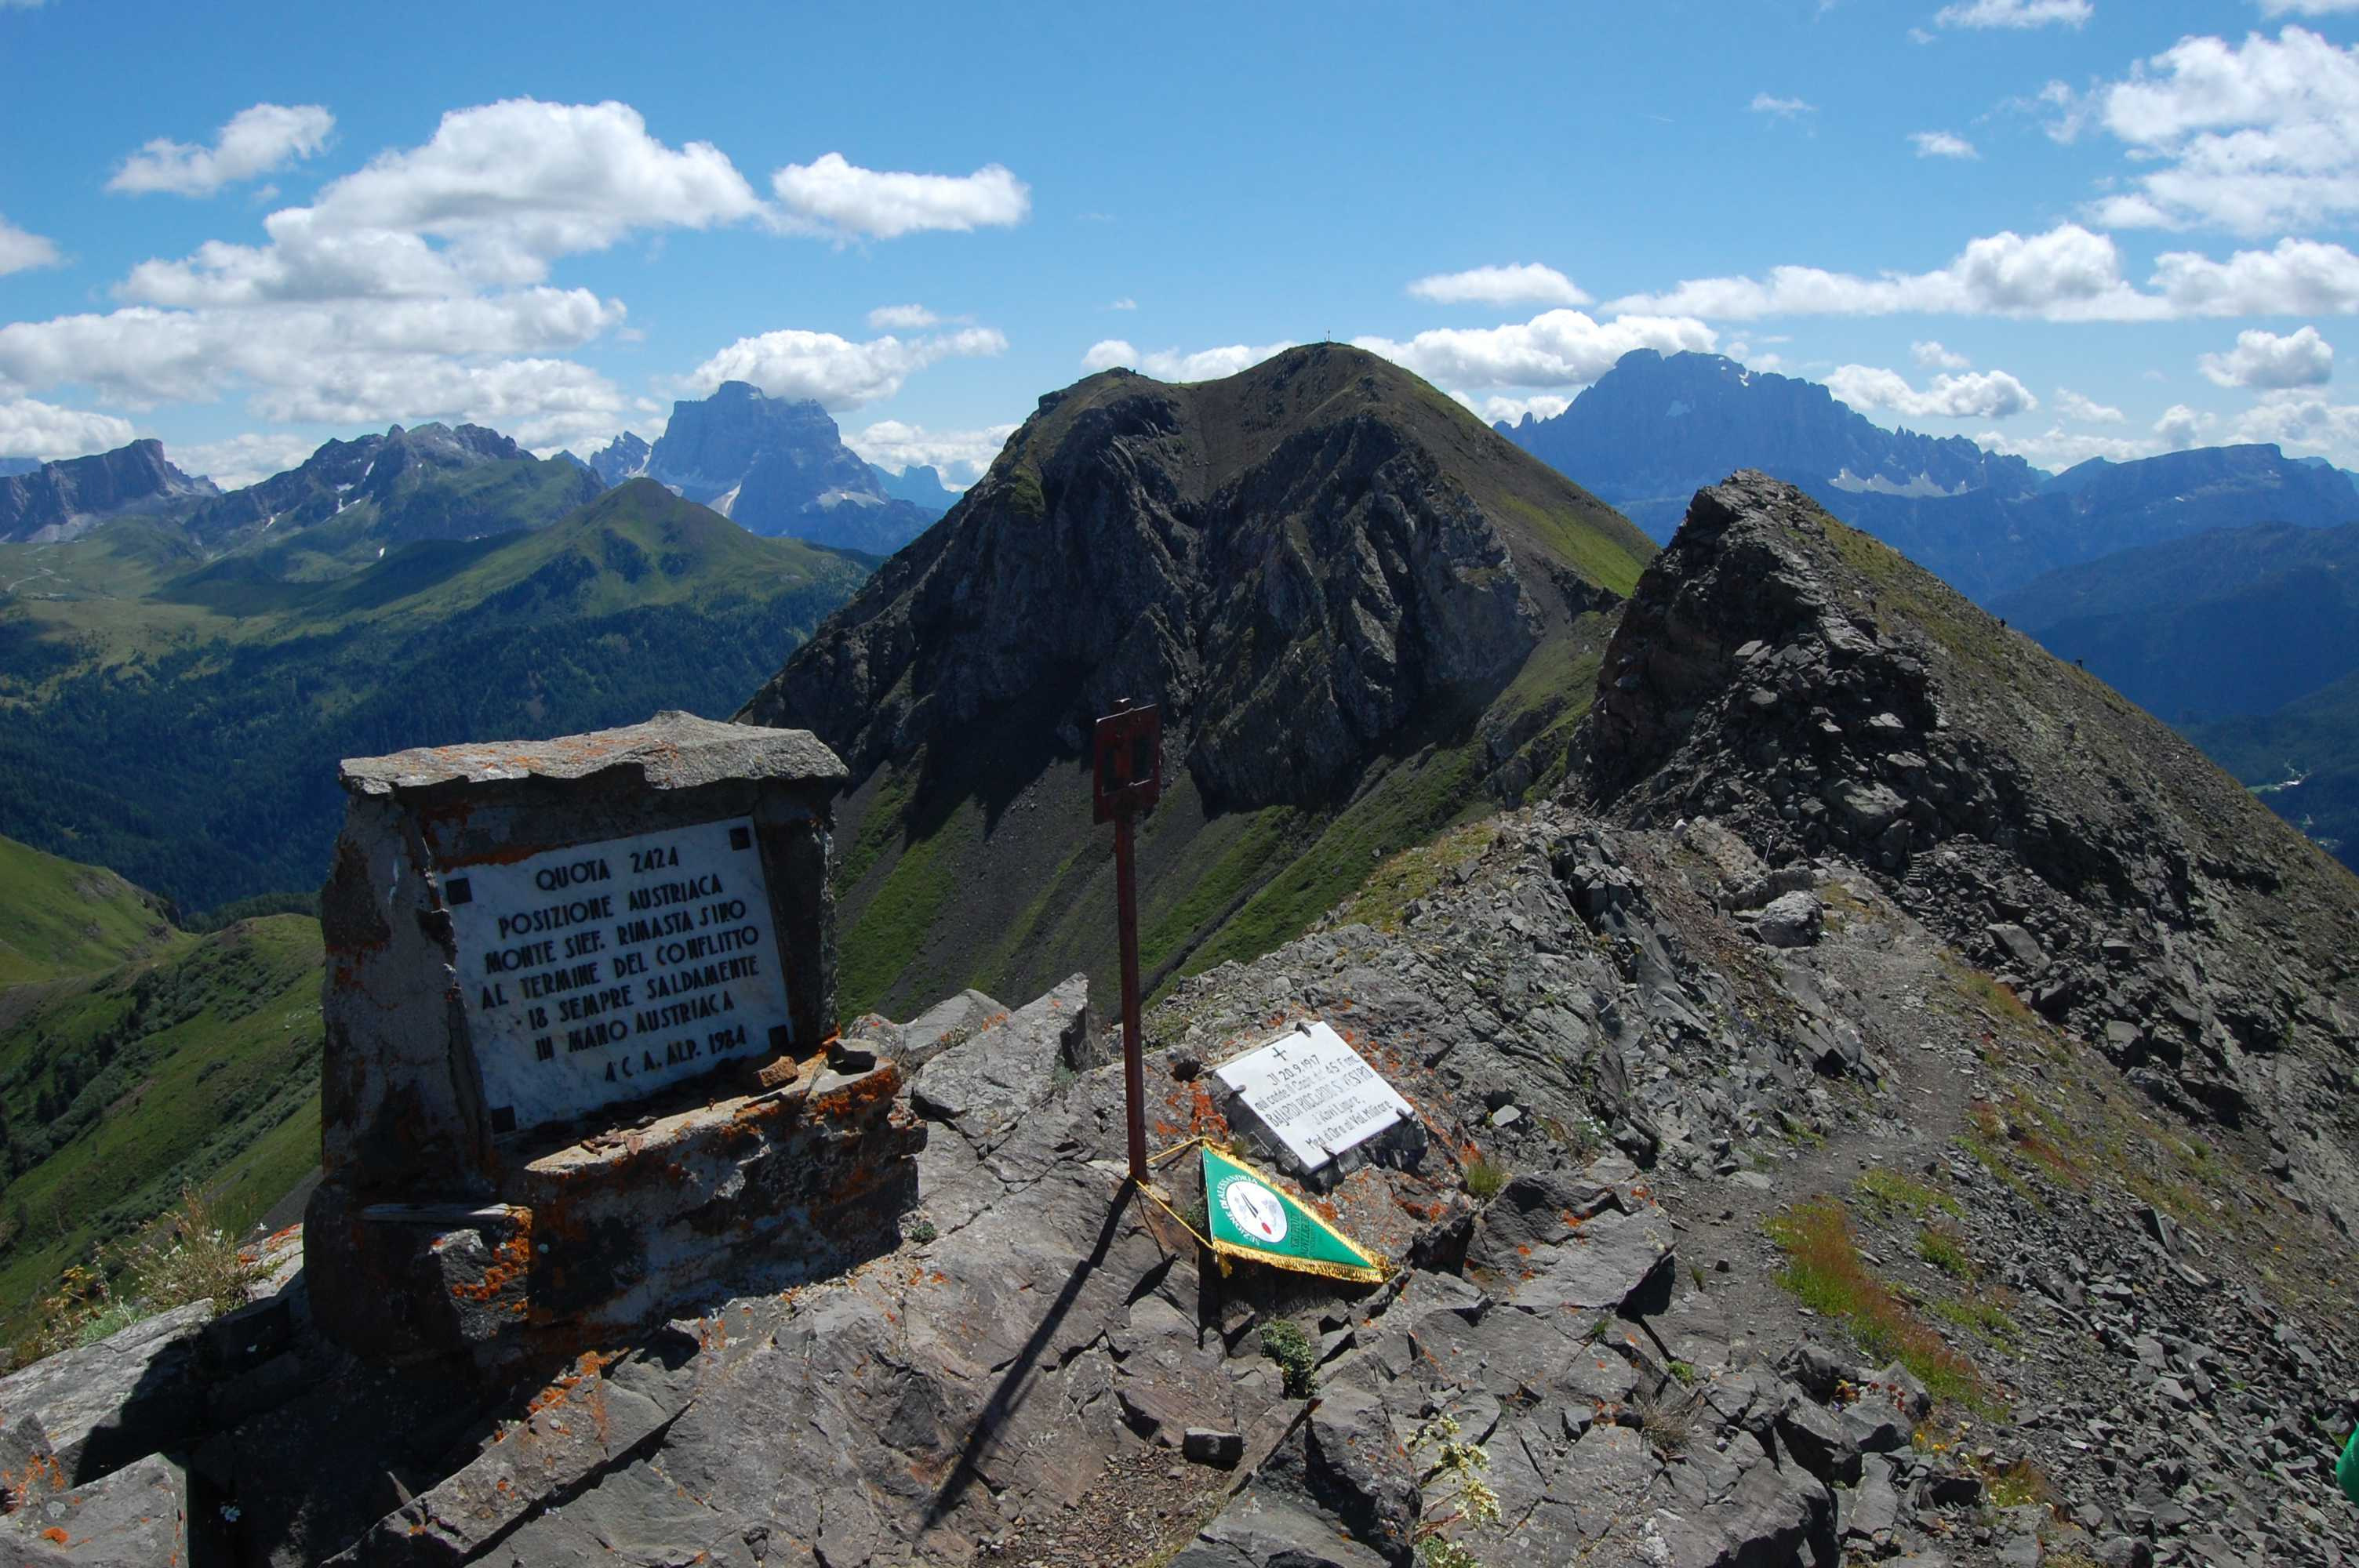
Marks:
<point>580,998</point>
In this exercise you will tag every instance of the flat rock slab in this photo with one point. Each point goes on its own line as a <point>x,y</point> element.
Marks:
<point>104,1405</point>
<point>997,1074</point>
<point>135,1518</point>
<point>672,751</point>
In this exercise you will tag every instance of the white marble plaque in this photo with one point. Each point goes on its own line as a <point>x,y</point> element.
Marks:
<point>601,972</point>
<point>1315,1093</point>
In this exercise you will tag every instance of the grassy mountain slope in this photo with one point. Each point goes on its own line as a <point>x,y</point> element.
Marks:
<point>1366,617</point>
<point>145,1059</point>
<point>58,918</point>
<point>184,727</point>
<point>2302,760</point>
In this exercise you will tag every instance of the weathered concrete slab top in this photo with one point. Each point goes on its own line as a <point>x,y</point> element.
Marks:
<point>672,751</point>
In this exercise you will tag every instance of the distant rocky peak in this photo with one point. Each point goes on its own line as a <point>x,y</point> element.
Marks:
<point>774,465</point>
<point>61,500</point>
<point>625,457</point>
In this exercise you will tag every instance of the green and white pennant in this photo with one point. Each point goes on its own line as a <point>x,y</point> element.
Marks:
<point>1251,1217</point>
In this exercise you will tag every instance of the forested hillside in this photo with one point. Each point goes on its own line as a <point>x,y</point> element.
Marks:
<point>184,729</point>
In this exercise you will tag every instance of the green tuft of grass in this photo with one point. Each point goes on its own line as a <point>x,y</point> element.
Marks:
<point>1895,1193</point>
<point>1825,1271</point>
<point>1944,1247</point>
<point>1484,1179</point>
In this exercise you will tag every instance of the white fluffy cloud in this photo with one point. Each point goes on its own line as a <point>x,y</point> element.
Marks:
<point>2182,426</point>
<point>2069,273</point>
<point>2266,360</point>
<point>1554,349</point>
<point>1525,283</point>
<point>414,289</point>
<point>2058,448</point>
<point>256,141</point>
<point>836,372</point>
<point>1780,108</point>
<point>2253,137</point>
<point>1932,355</point>
<point>959,455</point>
<point>2307,7</point>
<point>31,429</point>
<point>902,318</point>
<point>1171,364</point>
<point>1943,144</point>
<point>2014,14</point>
<point>833,196</point>
<point>243,459</point>
<point>1493,409</point>
<point>2087,410</point>
<point>20,251</point>
<point>2303,423</point>
<point>1975,395</point>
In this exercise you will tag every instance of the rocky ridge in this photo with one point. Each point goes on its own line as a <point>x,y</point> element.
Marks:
<point>1358,609</point>
<point>1789,676</point>
<point>63,500</point>
<point>1755,1124</point>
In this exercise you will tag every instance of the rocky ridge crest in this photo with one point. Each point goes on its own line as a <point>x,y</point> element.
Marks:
<point>1788,676</point>
<point>63,500</point>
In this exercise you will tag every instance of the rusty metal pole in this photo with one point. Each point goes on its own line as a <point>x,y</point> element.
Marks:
<point>1133,1067</point>
<point>1126,778</point>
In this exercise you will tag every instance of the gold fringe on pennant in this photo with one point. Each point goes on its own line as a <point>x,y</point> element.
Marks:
<point>1369,1275</point>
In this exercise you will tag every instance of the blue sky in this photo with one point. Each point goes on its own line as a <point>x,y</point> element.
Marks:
<point>2071,227</point>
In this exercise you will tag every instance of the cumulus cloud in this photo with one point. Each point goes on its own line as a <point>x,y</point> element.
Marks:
<point>245,459</point>
<point>32,430</point>
<point>1975,395</point>
<point>20,251</point>
<point>1752,359</point>
<point>1932,355</point>
<point>1125,303</point>
<point>1494,410</point>
<point>1943,144</point>
<point>1554,349</point>
<point>2266,360</point>
<point>2252,137</point>
<point>414,289</point>
<point>1525,283</point>
<point>834,371</point>
<point>2069,273</point>
<point>2058,448</point>
<point>2182,426</point>
<point>1780,108</point>
<point>902,318</point>
<point>2014,14</point>
<point>2303,423</point>
<point>256,141</point>
<point>959,455</point>
<point>1172,364</point>
<point>2088,410</point>
<point>833,196</point>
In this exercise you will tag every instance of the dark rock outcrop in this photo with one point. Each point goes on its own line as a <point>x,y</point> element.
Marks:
<point>1293,561</point>
<point>1795,680</point>
<point>62,500</point>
